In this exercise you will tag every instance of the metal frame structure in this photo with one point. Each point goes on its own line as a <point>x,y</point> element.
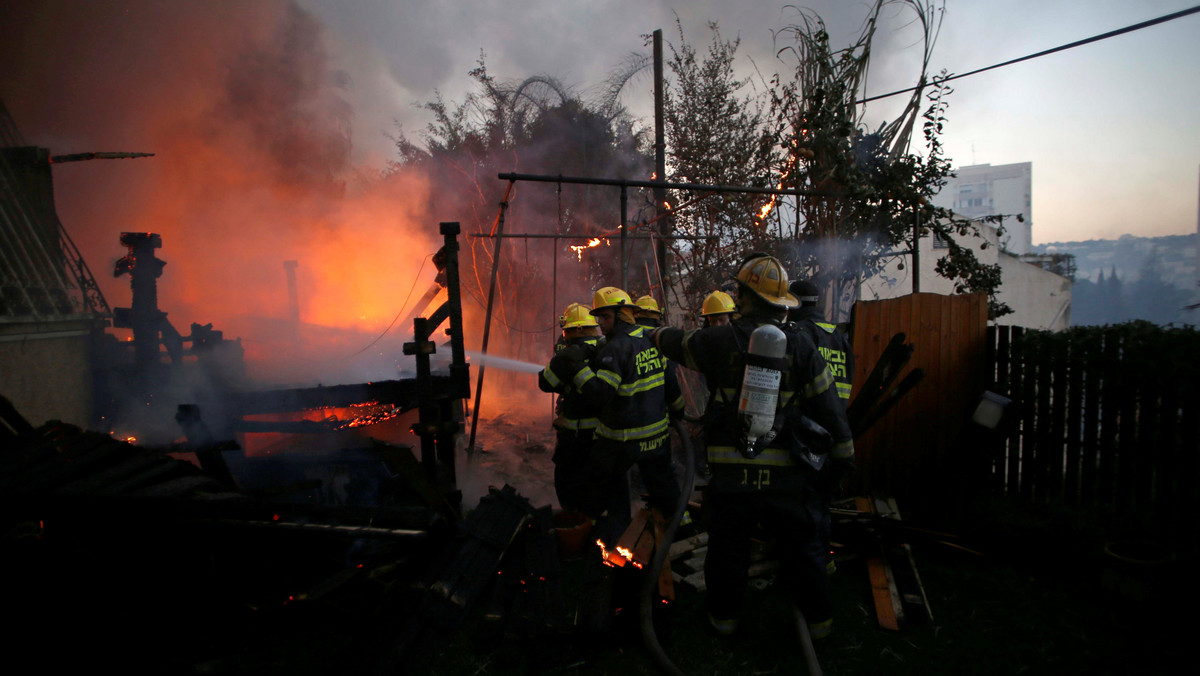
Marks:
<point>622,183</point>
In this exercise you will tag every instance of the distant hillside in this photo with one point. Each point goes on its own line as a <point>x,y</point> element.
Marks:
<point>1154,278</point>
<point>1128,255</point>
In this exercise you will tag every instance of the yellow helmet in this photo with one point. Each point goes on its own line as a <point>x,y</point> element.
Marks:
<point>577,316</point>
<point>765,276</point>
<point>648,304</point>
<point>609,296</point>
<point>717,303</point>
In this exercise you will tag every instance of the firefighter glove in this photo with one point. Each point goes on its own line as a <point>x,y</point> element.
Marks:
<point>569,361</point>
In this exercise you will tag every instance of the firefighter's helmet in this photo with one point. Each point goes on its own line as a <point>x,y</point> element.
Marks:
<point>764,275</point>
<point>577,316</point>
<point>647,304</point>
<point>805,291</point>
<point>610,296</point>
<point>717,303</point>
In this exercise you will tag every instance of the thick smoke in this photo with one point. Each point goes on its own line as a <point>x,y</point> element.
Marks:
<point>251,130</point>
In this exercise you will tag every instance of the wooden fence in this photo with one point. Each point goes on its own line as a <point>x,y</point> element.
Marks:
<point>909,452</point>
<point>1107,420</point>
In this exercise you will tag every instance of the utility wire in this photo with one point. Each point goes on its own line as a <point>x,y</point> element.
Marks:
<point>1077,43</point>
<point>398,314</point>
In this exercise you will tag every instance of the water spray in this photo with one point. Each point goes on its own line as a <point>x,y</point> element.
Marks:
<point>504,363</point>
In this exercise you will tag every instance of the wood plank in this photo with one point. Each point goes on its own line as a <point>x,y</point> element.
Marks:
<point>1167,506</point>
<point>1073,402</point>
<point>1189,460</point>
<point>881,584</point>
<point>681,547</point>
<point>1089,363</point>
<point>1044,484</point>
<point>1109,416</point>
<point>1148,446</point>
<point>1127,447</point>
<point>1029,423</point>
<point>1013,459</point>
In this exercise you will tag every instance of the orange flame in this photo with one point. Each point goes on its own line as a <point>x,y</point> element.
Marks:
<point>593,242</point>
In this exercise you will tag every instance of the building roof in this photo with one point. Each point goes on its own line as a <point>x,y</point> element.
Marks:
<point>42,275</point>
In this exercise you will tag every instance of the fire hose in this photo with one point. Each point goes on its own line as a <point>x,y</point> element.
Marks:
<point>660,556</point>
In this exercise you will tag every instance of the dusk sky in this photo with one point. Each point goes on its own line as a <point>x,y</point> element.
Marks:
<point>1111,128</point>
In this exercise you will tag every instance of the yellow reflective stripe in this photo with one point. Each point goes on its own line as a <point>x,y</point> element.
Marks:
<point>609,377</point>
<point>819,384</point>
<point>829,328</point>
<point>585,374</point>
<point>641,385</point>
<point>548,374</point>
<point>843,390</point>
<point>576,423</point>
<point>633,433</point>
<point>727,394</point>
<point>843,450</point>
<point>637,331</point>
<point>728,455</point>
<point>677,405</point>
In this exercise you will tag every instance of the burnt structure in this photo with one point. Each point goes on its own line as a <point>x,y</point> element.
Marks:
<point>133,540</point>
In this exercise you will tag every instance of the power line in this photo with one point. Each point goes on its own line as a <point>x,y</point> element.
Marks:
<point>1077,43</point>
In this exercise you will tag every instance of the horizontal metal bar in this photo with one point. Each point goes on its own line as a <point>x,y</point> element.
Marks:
<point>633,183</point>
<point>591,237</point>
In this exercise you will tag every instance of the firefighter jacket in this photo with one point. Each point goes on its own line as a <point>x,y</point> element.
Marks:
<point>833,345</point>
<point>626,385</point>
<point>806,390</point>
<point>676,405</point>
<point>570,411</point>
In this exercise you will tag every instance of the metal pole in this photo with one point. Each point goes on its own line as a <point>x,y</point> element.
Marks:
<point>660,159</point>
<point>916,251</point>
<point>624,262</point>
<point>487,320</point>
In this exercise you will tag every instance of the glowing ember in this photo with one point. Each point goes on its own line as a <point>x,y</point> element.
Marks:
<point>593,242</point>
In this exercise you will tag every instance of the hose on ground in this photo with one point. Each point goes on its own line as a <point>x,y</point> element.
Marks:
<point>660,556</point>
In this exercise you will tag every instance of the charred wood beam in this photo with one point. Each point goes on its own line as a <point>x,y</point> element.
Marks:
<point>405,394</point>
<point>81,157</point>
<point>95,514</point>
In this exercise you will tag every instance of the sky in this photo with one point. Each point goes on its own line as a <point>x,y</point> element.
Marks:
<point>1110,128</point>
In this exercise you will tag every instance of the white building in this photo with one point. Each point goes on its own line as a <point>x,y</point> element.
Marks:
<point>1036,287</point>
<point>983,190</point>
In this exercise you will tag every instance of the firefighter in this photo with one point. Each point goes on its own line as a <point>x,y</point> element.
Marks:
<point>573,423</point>
<point>833,344</point>
<point>835,348</point>
<point>771,483</point>
<point>718,309</point>
<point>625,385</point>
<point>648,313</point>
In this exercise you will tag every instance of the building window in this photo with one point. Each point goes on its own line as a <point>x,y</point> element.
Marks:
<point>940,242</point>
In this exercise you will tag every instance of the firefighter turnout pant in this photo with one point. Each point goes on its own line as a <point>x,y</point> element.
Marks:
<point>791,518</point>
<point>571,452</point>
<point>608,488</point>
